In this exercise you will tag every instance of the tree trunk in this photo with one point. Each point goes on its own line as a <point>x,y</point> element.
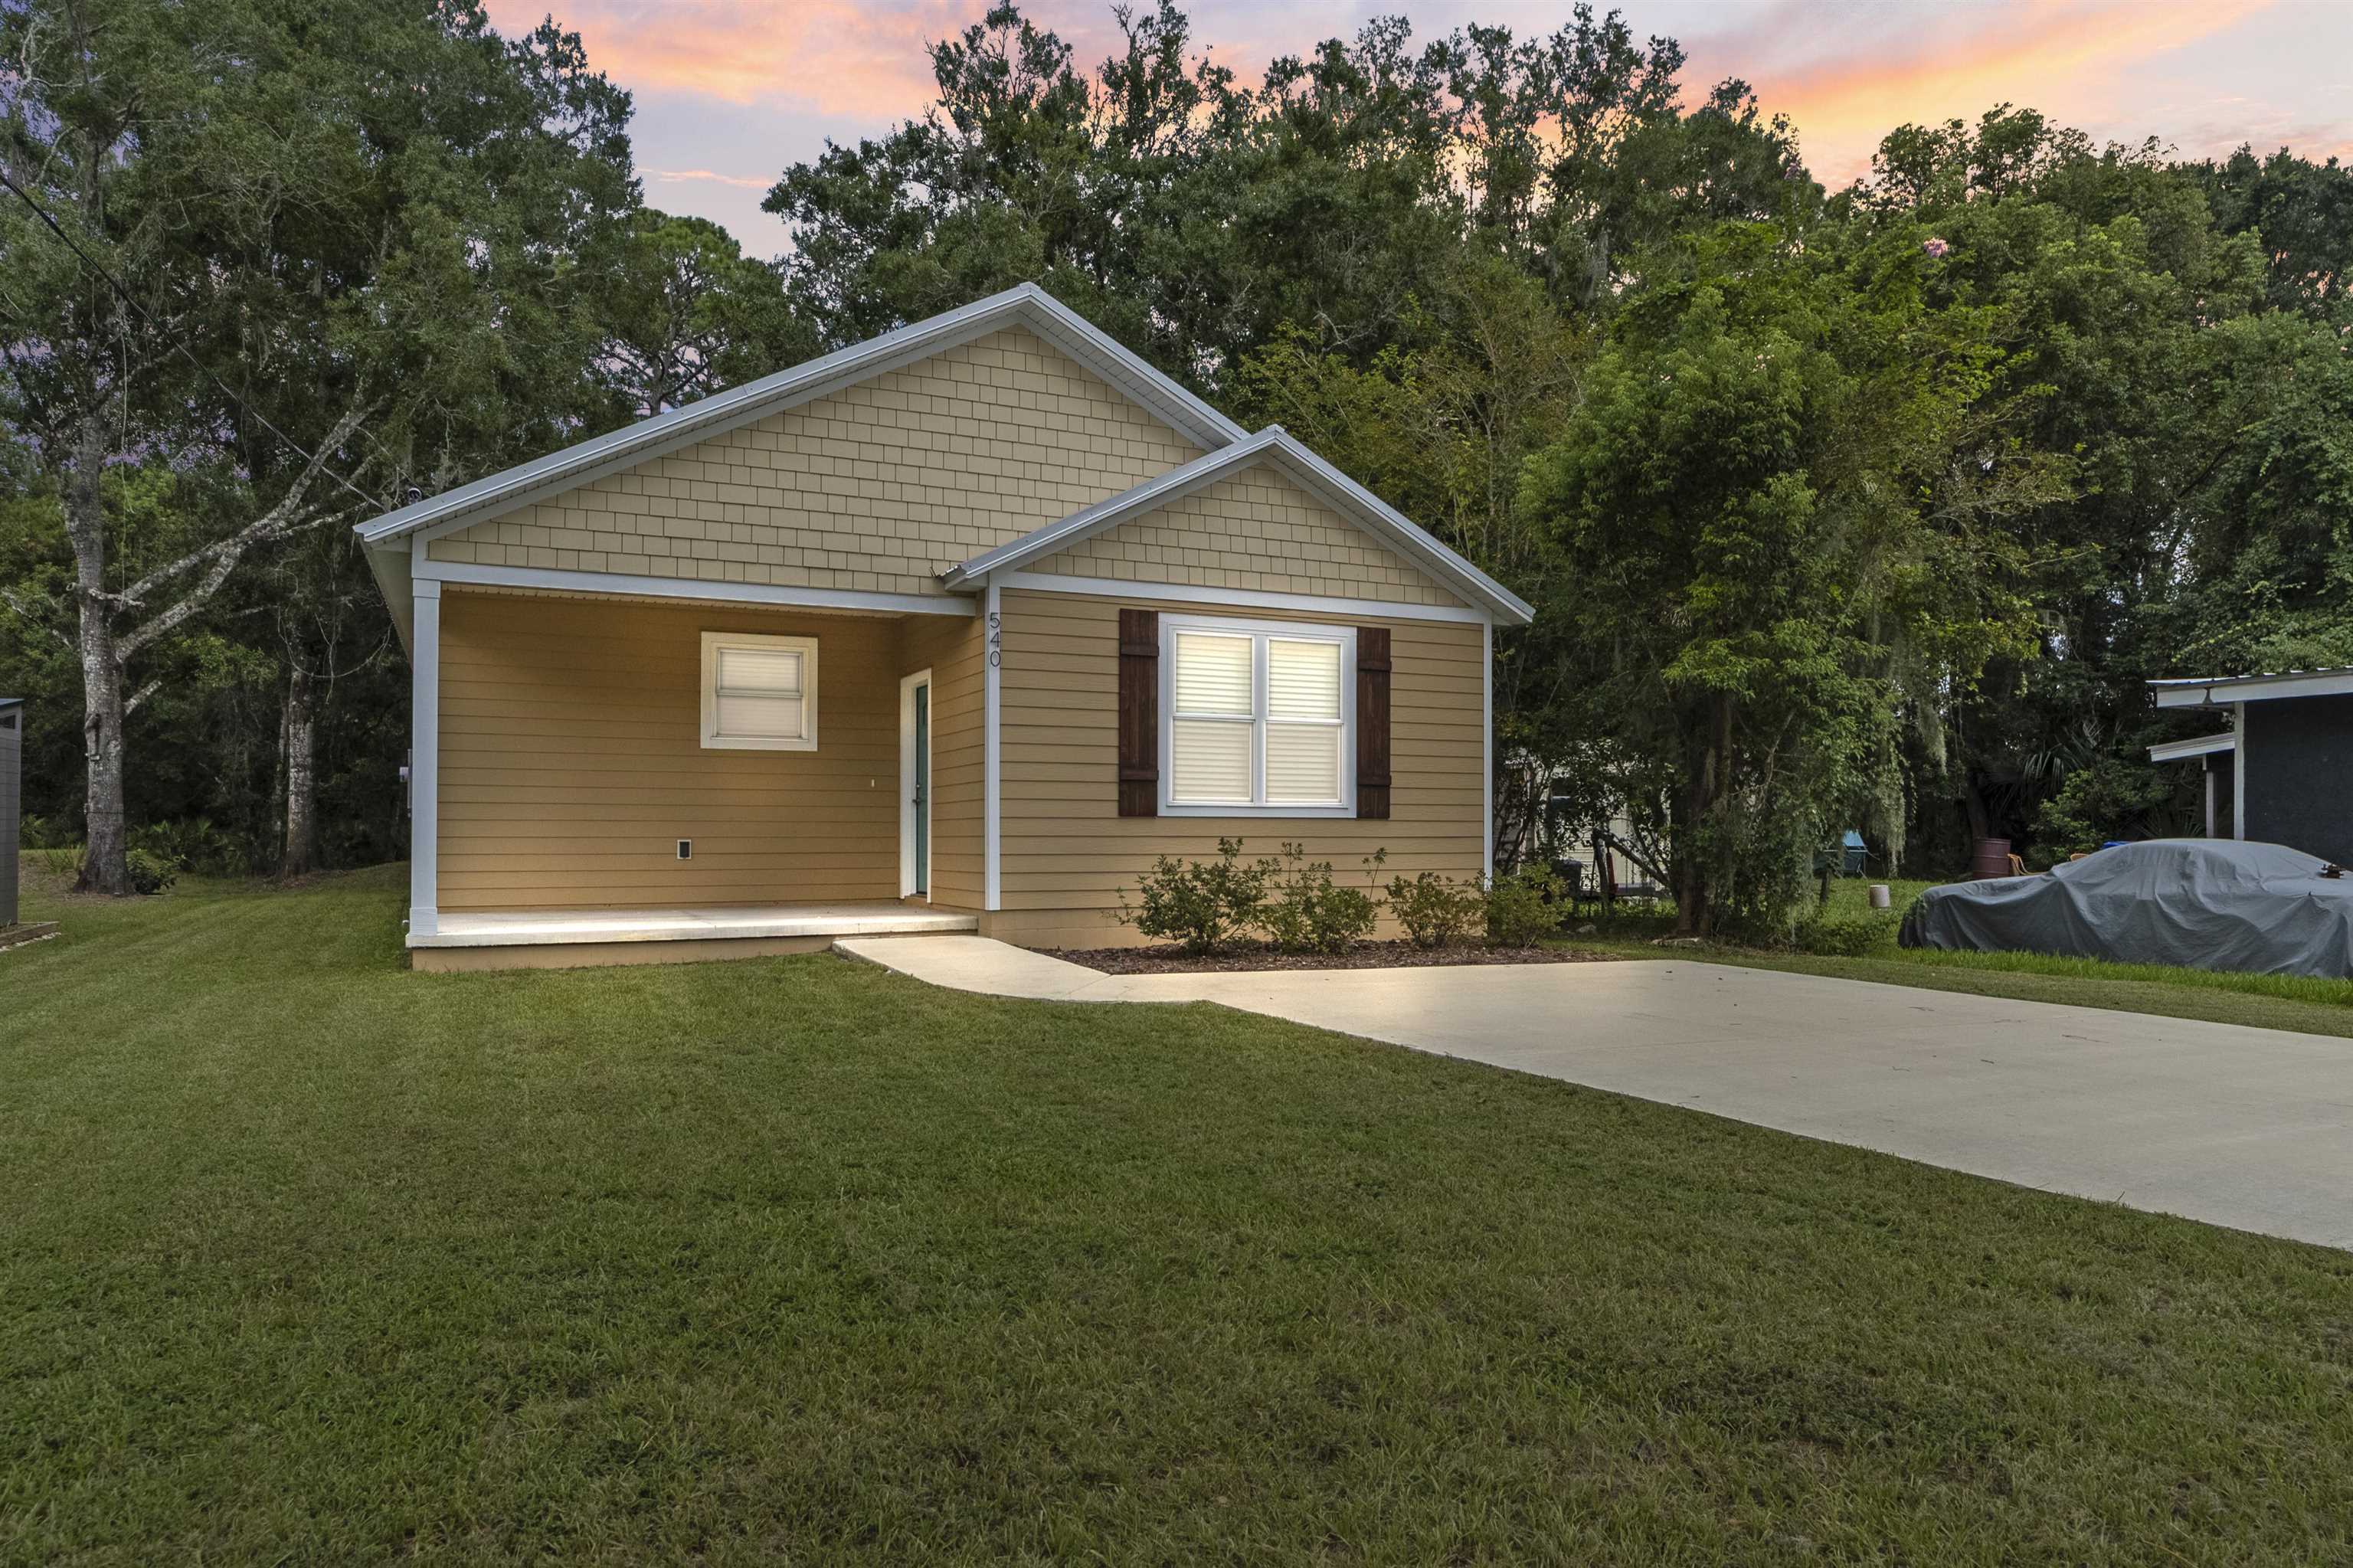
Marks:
<point>1709,800</point>
<point>104,864</point>
<point>301,776</point>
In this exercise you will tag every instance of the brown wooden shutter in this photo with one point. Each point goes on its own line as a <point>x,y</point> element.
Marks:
<point>1139,712</point>
<point>1373,721</point>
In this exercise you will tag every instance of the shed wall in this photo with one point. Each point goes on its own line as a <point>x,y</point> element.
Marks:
<point>2299,757</point>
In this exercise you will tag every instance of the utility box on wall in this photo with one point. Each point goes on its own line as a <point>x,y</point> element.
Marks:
<point>12,761</point>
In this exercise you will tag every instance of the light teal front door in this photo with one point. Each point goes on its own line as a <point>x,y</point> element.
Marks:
<point>922,769</point>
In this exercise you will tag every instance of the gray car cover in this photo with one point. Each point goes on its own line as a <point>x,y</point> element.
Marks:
<point>2209,904</point>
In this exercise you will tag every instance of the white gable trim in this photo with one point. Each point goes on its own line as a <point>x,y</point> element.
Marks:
<point>1277,446</point>
<point>1027,305</point>
<point>1238,599</point>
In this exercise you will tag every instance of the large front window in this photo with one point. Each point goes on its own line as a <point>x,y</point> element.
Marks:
<point>1259,718</point>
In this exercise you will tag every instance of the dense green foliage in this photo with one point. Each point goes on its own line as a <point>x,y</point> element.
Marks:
<point>1869,508</point>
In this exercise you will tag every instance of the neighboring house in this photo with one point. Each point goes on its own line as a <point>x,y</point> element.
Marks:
<point>2279,774</point>
<point>956,629</point>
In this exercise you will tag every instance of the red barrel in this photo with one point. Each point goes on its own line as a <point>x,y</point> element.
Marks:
<point>1993,858</point>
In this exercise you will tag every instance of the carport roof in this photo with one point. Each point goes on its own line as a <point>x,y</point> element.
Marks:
<point>2224,691</point>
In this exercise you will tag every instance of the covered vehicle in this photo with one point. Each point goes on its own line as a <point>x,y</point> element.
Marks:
<point>2208,904</point>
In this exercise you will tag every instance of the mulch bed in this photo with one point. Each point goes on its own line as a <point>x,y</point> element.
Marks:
<point>1362,955</point>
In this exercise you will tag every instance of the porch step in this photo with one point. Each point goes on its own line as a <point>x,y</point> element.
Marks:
<point>513,928</point>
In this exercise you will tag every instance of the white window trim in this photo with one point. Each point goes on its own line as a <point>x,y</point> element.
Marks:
<point>805,646</point>
<point>1345,636</point>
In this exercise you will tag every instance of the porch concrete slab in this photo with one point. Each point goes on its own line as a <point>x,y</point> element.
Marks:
<point>702,924</point>
<point>2239,1127</point>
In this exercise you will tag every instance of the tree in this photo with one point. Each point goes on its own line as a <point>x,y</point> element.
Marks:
<point>688,315</point>
<point>1772,556</point>
<point>310,253</point>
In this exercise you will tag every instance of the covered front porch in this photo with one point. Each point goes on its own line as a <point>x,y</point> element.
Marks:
<point>630,780</point>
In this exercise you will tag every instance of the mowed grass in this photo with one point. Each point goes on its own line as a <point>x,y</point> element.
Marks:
<point>310,1258</point>
<point>2300,1002</point>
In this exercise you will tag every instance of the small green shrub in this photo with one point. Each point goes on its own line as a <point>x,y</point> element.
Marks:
<point>1832,938</point>
<point>1524,908</point>
<point>1308,912</point>
<point>150,872</point>
<point>35,832</point>
<point>61,860</point>
<point>194,844</point>
<point>1200,904</point>
<point>1436,911</point>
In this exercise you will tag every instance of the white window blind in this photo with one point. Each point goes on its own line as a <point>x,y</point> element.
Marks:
<point>1303,722</point>
<point>759,692</point>
<point>1258,717</point>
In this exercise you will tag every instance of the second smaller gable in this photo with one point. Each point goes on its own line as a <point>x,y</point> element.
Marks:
<point>1256,530</point>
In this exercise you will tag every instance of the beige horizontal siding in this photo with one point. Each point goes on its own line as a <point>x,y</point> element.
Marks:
<point>877,488</point>
<point>1066,852</point>
<point>572,761</point>
<point>1257,529</point>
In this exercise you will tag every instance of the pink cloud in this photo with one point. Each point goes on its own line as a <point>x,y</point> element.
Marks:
<point>2065,56</point>
<point>865,61</point>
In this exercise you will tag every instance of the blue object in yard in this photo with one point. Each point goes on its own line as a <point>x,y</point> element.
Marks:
<point>1852,851</point>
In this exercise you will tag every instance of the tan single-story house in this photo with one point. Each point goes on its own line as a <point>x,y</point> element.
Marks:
<point>952,631</point>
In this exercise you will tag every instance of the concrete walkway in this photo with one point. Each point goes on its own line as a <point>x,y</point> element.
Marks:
<point>2247,1128</point>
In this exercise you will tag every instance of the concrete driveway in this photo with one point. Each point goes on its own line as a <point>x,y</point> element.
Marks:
<point>2247,1128</point>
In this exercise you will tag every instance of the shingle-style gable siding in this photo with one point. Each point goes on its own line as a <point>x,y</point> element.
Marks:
<point>1255,530</point>
<point>877,488</point>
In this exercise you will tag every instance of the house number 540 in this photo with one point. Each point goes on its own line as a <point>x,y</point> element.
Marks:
<point>996,641</point>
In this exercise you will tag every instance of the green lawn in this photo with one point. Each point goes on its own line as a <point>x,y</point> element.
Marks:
<point>2265,1001</point>
<point>310,1258</point>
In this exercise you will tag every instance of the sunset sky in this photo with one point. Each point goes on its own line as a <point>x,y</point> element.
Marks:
<point>730,93</point>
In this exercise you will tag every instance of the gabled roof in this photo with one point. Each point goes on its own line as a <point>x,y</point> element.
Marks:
<point>1278,447</point>
<point>2223,691</point>
<point>1027,305</point>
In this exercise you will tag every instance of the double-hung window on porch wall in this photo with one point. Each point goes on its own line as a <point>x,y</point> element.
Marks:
<point>1258,718</point>
<point>759,693</point>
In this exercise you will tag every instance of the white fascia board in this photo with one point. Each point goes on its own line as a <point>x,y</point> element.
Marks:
<point>724,411</point>
<point>768,594</point>
<point>1238,599</point>
<point>1276,445</point>
<point>2202,745</point>
<point>389,564</point>
<point>2227,691</point>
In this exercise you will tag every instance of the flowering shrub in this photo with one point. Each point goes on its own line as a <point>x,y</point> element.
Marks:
<point>1202,904</point>
<point>1522,908</point>
<point>1436,911</point>
<point>1309,913</point>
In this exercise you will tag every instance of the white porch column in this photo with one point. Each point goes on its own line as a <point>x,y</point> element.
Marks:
<point>425,759</point>
<point>992,783</point>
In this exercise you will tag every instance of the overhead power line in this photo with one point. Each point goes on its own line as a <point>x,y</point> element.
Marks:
<point>202,369</point>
